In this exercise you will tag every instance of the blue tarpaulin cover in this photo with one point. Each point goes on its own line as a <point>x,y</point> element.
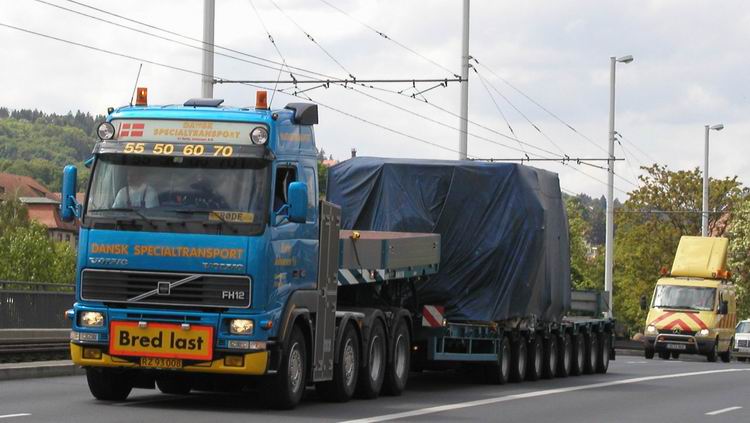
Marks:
<point>504,235</point>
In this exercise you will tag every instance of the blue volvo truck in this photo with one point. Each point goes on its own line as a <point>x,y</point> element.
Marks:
<point>207,261</point>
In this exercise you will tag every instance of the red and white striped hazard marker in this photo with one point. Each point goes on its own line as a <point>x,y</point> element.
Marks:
<point>432,316</point>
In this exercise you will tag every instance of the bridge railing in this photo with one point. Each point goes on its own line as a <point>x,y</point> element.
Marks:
<point>30,305</point>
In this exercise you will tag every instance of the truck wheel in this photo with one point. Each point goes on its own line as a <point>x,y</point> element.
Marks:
<point>550,358</point>
<point>397,371</point>
<point>284,389</point>
<point>592,356</point>
<point>711,356</point>
<point>603,362</point>
<point>579,355</point>
<point>373,373</point>
<point>175,385</point>
<point>726,356</point>
<point>518,360</point>
<point>108,385</point>
<point>499,373</point>
<point>535,357</point>
<point>649,353</point>
<point>565,355</point>
<point>345,370</point>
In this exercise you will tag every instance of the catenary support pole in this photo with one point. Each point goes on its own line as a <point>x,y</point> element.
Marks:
<point>207,80</point>
<point>462,140</point>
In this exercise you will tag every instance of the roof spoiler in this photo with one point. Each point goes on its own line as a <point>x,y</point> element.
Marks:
<point>304,113</point>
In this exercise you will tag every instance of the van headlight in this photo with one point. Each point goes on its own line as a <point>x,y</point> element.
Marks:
<point>651,329</point>
<point>91,319</point>
<point>241,326</point>
<point>703,332</point>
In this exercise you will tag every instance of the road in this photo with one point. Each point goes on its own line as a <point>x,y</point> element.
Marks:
<point>634,390</point>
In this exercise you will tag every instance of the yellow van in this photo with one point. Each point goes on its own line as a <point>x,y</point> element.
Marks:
<point>693,308</point>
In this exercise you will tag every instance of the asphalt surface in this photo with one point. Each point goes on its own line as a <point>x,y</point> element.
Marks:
<point>634,390</point>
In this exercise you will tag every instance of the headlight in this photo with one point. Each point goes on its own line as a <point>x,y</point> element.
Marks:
<point>91,319</point>
<point>241,326</point>
<point>703,332</point>
<point>651,329</point>
<point>106,131</point>
<point>259,136</point>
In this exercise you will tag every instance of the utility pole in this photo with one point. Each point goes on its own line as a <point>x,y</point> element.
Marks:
<point>704,215</point>
<point>207,80</point>
<point>463,124</point>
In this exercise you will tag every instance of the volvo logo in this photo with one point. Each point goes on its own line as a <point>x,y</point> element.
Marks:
<point>223,266</point>
<point>107,261</point>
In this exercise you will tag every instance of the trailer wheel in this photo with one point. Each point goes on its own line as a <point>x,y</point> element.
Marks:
<point>536,356</point>
<point>108,385</point>
<point>603,364</point>
<point>579,355</point>
<point>592,356</point>
<point>565,355</point>
<point>284,389</point>
<point>345,370</point>
<point>373,373</point>
<point>174,384</point>
<point>518,359</point>
<point>397,371</point>
<point>550,358</point>
<point>499,373</point>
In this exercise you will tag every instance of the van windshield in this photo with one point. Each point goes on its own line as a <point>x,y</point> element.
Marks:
<point>743,327</point>
<point>685,297</point>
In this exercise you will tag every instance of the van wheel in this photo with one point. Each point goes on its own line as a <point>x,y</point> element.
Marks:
<point>604,340</point>
<point>345,370</point>
<point>649,353</point>
<point>592,354</point>
<point>579,355</point>
<point>675,355</point>
<point>373,373</point>
<point>742,359</point>
<point>550,358</point>
<point>284,389</point>
<point>518,360</point>
<point>726,356</point>
<point>565,355</point>
<point>108,385</point>
<point>711,356</point>
<point>535,355</point>
<point>397,371</point>
<point>664,355</point>
<point>499,373</point>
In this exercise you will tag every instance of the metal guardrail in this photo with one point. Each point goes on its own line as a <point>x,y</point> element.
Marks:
<point>34,304</point>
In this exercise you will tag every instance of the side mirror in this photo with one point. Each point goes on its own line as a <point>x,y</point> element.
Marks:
<point>69,207</point>
<point>297,195</point>
<point>644,302</point>
<point>723,307</point>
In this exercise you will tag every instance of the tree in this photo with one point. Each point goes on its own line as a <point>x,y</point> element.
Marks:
<point>583,269</point>
<point>739,255</point>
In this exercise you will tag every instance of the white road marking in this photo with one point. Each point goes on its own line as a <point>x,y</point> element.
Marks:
<point>7,416</point>
<point>723,410</point>
<point>533,394</point>
<point>636,362</point>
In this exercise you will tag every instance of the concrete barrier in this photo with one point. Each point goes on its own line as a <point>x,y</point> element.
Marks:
<point>37,369</point>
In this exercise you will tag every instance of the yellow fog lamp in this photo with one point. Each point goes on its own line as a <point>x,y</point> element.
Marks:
<point>105,131</point>
<point>234,361</point>
<point>92,353</point>
<point>241,326</point>
<point>91,319</point>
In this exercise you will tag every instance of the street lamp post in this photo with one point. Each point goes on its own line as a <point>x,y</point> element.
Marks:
<point>704,214</point>
<point>610,229</point>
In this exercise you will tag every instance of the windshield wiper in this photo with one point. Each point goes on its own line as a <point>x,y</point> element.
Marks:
<point>128,209</point>
<point>207,212</point>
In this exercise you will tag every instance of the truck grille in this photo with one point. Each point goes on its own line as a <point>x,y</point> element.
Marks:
<point>176,289</point>
<point>743,343</point>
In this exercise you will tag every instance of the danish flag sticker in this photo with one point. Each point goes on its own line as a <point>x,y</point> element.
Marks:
<point>132,130</point>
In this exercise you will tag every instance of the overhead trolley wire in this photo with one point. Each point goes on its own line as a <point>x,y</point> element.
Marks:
<point>275,46</point>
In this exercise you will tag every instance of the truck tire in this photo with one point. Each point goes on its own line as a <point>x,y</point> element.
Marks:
<point>284,389</point>
<point>579,355</point>
<point>535,359</point>
<point>649,353</point>
<point>549,365</point>
<point>592,353</point>
<point>174,384</point>
<point>518,360</point>
<point>726,356</point>
<point>711,355</point>
<point>345,370</point>
<point>397,371</point>
<point>108,385</point>
<point>603,364</point>
<point>373,372</point>
<point>565,355</point>
<point>499,374</point>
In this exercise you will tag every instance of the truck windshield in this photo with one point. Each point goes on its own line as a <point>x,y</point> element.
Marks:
<point>684,297</point>
<point>153,190</point>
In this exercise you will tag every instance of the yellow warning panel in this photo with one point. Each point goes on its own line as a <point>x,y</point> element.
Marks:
<point>700,257</point>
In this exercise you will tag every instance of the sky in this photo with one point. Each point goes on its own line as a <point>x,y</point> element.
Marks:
<point>690,69</point>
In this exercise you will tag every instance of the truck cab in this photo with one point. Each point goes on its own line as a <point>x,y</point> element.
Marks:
<point>693,308</point>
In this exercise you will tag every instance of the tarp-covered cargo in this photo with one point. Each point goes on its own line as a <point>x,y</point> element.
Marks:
<point>504,236</point>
